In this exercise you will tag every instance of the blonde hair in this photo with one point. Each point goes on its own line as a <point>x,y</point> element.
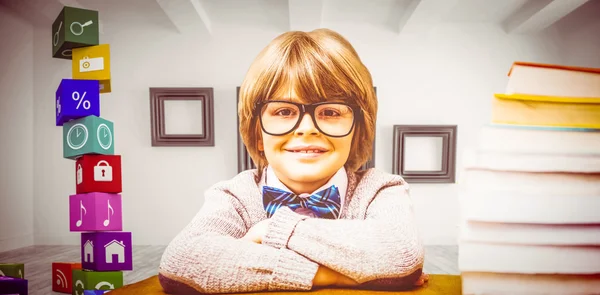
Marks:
<point>318,65</point>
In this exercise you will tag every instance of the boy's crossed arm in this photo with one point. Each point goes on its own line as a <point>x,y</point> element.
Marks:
<point>324,275</point>
<point>211,256</point>
<point>383,250</point>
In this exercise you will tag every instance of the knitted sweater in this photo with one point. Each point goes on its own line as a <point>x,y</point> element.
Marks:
<point>375,241</point>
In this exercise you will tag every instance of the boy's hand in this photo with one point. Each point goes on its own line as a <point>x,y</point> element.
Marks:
<point>421,281</point>
<point>257,232</point>
<point>328,277</point>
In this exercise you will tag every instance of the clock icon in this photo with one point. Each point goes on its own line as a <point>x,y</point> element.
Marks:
<point>104,136</point>
<point>77,136</point>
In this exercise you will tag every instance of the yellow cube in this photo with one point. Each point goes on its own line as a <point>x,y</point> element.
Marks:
<point>93,63</point>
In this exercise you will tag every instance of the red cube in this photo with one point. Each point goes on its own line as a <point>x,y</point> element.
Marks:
<point>98,173</point>
<point>62,276</point>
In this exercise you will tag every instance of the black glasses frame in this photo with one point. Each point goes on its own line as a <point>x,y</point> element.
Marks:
<point>310,109</point>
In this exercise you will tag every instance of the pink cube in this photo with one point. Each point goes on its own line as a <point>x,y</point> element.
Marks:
<point>95,212</point>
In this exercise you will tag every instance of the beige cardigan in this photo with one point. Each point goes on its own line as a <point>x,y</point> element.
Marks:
<point>375,241</point>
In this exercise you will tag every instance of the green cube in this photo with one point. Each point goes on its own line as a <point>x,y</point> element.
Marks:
<point>73,28</point>
<point>88,135</point>
<point>96,280</point>
<point>15,270</point>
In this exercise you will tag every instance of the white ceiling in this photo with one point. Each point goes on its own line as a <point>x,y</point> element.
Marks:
<point>515,16</point>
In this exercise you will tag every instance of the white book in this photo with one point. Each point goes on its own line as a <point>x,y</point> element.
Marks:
<point>526,197</point>
<point>553,80</point>
<point>534,208</point>
<point>481,180</point>
<point>530,162</point>
<point>480,283</point>
<point>539,140</point>
<point>528,259</point>
<point>530,234</point>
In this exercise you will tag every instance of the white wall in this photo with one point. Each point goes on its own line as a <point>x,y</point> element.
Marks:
<point>447,76</point>
<point>428,78</point>
<point>16,132</point>
<point>581,41</point>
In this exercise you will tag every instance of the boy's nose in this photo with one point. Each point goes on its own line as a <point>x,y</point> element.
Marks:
<point>306,126</point>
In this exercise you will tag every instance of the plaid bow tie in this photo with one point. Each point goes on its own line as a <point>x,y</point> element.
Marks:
<point>324,203</point>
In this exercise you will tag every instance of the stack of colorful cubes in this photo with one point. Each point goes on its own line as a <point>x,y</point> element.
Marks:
<point>12,279</point>
<point>95,209</point>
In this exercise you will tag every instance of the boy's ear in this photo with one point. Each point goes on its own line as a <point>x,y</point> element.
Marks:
<point>260,145</point>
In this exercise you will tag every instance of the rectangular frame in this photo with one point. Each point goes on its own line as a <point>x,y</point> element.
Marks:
<point>158,96</point>
<point>245,161</point>
<point>448,171</point>
<point>371,163</point>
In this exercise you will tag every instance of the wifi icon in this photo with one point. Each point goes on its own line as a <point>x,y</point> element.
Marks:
<point>61,279</point>
<point>62,273</point>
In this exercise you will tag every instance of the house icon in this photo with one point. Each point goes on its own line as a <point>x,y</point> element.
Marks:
<point>115,250</point>
<point>88,252</point>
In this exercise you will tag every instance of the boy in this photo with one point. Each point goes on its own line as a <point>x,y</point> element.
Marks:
<point>305,217</point>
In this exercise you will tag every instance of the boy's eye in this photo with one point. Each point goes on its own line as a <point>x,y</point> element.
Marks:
<point>284,112</point>
<point>330,113</point>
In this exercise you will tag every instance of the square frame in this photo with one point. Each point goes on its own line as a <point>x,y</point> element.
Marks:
<point>448,133</point>
<point>158,96</point>
<point>245,161</point>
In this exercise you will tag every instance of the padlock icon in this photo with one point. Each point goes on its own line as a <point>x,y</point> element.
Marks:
<point>79,174</point>
<point>103,172</point>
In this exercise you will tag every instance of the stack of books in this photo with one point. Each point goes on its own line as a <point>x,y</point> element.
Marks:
<point>530,193</point>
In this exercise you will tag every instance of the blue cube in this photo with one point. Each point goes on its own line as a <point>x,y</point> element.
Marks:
<point>77,99</point>
<point>10,285</point>
<point>94,292</point>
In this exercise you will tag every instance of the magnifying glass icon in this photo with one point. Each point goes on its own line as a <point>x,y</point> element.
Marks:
<point>79,31</point>
<point>56,36</point>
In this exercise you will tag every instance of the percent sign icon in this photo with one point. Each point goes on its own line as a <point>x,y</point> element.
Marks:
<point>86,103</point>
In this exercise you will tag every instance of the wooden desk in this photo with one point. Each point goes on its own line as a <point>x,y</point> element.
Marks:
<point>437,285</point>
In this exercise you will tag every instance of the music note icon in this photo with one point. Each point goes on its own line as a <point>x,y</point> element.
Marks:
<point>110,208</point>
<point>81,209</point>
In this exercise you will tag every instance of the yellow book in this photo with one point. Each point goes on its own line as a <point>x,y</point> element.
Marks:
<point>537,110</point>
<point>93,63</point>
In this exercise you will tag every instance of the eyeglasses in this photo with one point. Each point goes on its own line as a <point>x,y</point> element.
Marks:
<point>334,119</point>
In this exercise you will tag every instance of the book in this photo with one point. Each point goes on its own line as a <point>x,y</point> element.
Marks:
<point>529,162</point>
<point>490,283</point>
<point>528,259</point>
<point>530,233</point>
<point>539,139</point>
<point>553,80</point>
<point>530,197</point>
<point>546,110</point>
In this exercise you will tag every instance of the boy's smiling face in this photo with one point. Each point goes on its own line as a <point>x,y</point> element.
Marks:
<point>304,172</point>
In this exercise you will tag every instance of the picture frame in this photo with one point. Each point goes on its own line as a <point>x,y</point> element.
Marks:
<point>245,161</point>
<point>163,97</point>
<point>431,153</point>
<point>371,162</point>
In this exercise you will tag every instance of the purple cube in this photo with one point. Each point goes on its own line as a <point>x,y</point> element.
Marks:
<point>95,212</point>
<point>106,251</point>
<point>10,285</point>
<point>77,99</point>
